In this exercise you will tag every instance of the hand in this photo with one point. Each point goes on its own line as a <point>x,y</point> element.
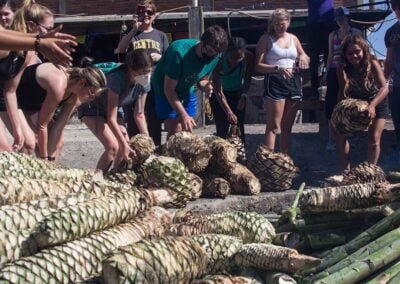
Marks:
<point>286,73</point>
<point>18,139</point>
<point>124,155</point>
<point>57,51</point>
<point>206,87</point>
<point>304,61</point>
<point>231,117</point>
<point>55,33</point>
<point>155,56</point>
<point>371,111</point>
<point>187,123</point>
<point>135,21</point>
<point>242,103</point>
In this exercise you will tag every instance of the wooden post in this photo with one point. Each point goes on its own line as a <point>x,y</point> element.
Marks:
<point>196,29</point>
<point>62,7</point>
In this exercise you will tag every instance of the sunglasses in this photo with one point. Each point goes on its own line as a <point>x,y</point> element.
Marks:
<point>142,11</point>
<point>48,29</point>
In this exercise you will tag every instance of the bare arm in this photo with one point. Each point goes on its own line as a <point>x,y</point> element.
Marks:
<point>123,45</point>
<point>303,58</point>
<point>262,48</point>
<point>381,83</point>
<point>341,82</point>
<point>138,115</point>
<point>220,96</point>
<point>112,110</point>
<point>169,90</point>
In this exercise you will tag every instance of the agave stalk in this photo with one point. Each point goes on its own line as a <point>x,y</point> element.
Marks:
<point>14,190</point>
<point>166,260</point>
<point>219,248</point>
<point>387,275</point>
<point>271,257</point>
<point>335,255</point>
<point>27,161</point>
<point>24,216</point>
<point>395,279</point>
<point>348,197</point>
<point>80,260</point>
<point>362,253</point>
<point>250,227</point>
<point>360,269</point>
<point>243,181</point>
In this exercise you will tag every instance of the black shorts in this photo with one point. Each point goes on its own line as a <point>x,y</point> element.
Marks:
<point>93,110</point>
<point>382,109</point>
<point>331,98</point>
<point>278,88</point>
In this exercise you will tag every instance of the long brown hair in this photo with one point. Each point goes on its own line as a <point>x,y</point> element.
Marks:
<point>363,44</point>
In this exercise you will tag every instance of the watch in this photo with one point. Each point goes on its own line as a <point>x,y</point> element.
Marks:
<point>276,68</point>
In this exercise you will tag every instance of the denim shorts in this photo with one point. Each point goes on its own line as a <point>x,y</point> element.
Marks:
<point>164,110</point>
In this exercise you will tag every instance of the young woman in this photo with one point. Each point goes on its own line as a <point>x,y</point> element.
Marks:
<point>232,79</point>
<point>7,11</point>
<point>127,84</point>
<point>31,18</point>
<point>360,76</point>
<point>48,95</point>
<point>330,79</point>
<point>279,54</point>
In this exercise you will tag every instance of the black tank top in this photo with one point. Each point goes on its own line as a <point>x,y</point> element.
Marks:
<point>30,94</point>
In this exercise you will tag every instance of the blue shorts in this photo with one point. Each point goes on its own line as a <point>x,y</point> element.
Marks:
<point>164,110</point>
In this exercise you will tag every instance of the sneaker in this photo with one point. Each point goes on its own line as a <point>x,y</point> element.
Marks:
<point>331,145</point>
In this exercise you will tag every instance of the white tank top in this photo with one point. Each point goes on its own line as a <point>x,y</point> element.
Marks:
<point>282,57</point>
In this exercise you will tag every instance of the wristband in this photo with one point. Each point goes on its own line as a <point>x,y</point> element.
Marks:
<point>51,159</point>
<point>37,43</point>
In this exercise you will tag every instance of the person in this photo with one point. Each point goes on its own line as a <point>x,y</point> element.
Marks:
<point>320,23</point>
<point>360,76</point>
<point>7,11</point>
<point>128,84</point>
<point>185,66</point>
<point>330,77</point>
<point>278,53</point>
<point>392,69</point>
<point>33,18</point>
<point>144,35</point>
<point>232,78</point>
<point>48,95</point>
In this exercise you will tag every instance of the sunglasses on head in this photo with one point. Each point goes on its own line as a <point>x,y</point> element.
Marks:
<point>142,11</point>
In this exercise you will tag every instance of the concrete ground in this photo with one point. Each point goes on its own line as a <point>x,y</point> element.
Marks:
<point>82,149</point>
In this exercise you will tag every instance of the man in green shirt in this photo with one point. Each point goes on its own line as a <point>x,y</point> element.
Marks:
<point>186,65</point>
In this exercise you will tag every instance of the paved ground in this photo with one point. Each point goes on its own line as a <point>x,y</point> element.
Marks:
<point>82,149</point>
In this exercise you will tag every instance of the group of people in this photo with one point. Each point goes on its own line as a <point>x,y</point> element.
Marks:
<point>161,82</point>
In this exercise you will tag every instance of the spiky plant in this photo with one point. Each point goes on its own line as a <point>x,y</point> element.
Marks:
<point>275,170</point>
<point>143,146</point>
<point>224,154</point>
<point>351,115</point>
<point>190,149</point>
<point>364,173</point>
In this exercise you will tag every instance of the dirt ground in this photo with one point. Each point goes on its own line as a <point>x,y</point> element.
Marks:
<point>82,149</point>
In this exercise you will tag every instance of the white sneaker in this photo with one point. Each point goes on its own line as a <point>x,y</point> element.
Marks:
<point>331,145</point>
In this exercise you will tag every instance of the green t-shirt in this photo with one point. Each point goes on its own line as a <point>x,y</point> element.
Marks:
<point>181,63</point>
<point>232,79</point>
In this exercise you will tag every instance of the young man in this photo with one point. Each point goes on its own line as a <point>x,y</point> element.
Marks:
<point>392,68</point>
<point>186,66</point>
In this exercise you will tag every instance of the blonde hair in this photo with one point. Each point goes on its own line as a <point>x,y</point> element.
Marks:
<point>30,11</point>
<point>280,14</point>
<point>91,77</point>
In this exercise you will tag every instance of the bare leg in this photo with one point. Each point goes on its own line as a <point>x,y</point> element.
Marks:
<point>172,125</point>
<point>374,139</point>
<point>343,150</point>
<point>5,146</point>
<point>106,137</point>
<point>289,115</point>
<point>274,112</point>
